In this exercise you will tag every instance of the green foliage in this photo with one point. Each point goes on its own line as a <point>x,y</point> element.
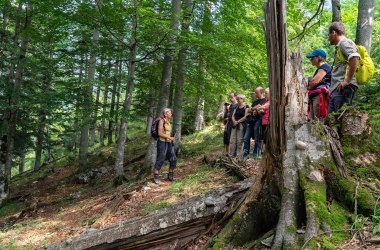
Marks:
<point>376,217</point>
<point>91,221</point>
<point>9,207</point>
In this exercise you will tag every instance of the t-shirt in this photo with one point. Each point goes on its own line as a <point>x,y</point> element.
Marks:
<point>338,73</point>
<point>240,112</point>
<point>259,101</point>
<point>326,80</point>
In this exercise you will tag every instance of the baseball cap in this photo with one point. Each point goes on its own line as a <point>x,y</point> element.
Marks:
<point>317,52</point>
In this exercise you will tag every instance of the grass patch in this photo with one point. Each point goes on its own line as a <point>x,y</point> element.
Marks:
<point>151,207</point>
<point>91,221</point>
<point>9,208</point>
<point>198,182</point>
<point>208,140</point>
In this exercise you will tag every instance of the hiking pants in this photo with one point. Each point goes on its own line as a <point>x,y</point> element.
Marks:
<point>253,131</point>
<point>165,150</point>
<point>237,140</point>
<point>338,98</point>
<point>314,108</point>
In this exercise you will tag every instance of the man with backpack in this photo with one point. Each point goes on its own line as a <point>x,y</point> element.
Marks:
<point>346,60</point>
<point>161,129</point>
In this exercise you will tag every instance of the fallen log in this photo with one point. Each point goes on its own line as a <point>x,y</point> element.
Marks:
<point>168,228</point>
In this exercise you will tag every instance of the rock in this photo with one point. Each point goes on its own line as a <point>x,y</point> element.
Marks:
<point>103,170</point>
<point>316,175</point>
<point>75,195</point>
<point>268,241</point>
<point>365,159</point>
<point>374,239</point>
<point>326,229</point>
<point>301,231</point>
<point>301,145</point>
<point>354,123</point>
<point>85,178</point>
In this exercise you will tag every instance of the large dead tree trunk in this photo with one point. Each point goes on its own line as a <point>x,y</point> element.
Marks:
<point>365,23</point>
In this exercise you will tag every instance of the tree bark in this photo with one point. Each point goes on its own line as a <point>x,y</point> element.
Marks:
<point>199,115</point>
<point>167,68</point>
<point>364,26</point>
<point>180,80</point>
<point>105,99</point>
<point>84,138</point>
<point>96,108</point>
<point>119,163</point>
<point>220,113</point>
<point>117,130</point>
<point>21,164</point>
<point>336,11</point>
<point>111,121</point>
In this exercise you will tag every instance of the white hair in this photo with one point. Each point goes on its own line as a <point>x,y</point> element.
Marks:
<point>166,110</point>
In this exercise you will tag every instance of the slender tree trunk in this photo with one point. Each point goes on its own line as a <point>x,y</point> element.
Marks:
<point>112,112</point>
<point>14,106</point>
<point>96,109</point>
<point>21,164</point>
<point>220,113</point>
<point>84,140</point>
<point>105,103</point>
<point>199,115</point>
<point>336,10</point>
<point>152,111</point>
<point>365,23</point>
<point>163,99</point>
<point>119,163</point>
<point>180,80</point>
<point>40,132</point>
<point>118,102</point>
<point>77,106</point>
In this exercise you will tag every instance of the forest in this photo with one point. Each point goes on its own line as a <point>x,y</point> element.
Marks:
<point>81,82</point>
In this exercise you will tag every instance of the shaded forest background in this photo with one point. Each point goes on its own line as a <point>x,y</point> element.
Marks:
<point>76,75</point>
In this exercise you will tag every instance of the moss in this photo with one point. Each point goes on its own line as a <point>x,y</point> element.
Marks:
<point>291,229</point>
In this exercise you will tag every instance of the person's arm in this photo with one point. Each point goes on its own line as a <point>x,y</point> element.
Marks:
<point>244,117</point>
<point>265,106</point>
<point>317,78</point>
<point>161,131</point>
<point>352,66</point>
<point>233,117</point>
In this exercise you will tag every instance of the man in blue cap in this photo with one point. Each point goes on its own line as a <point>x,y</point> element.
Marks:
<point>318,85</point>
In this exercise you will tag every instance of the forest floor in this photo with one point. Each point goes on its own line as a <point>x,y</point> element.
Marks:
<point>49,205</point>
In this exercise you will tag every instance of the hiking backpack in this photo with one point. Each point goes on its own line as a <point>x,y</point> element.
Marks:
<point>154,127</point>
<point>366,68</point>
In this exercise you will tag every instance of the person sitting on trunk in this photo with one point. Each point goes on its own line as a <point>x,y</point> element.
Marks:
<point>318,86</point>
<point>165,147</point>
<point>238,126</point>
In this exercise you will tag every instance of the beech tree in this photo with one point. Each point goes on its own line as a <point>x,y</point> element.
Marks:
<point>365,23</point>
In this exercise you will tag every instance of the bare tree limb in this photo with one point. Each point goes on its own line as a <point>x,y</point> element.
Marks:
<point>302,34</point>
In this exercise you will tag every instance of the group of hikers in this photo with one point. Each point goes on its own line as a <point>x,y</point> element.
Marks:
<point>328,90</point>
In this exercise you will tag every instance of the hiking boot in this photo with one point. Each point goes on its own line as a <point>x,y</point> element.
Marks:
<point>156,179</point>
<point>170,176</point>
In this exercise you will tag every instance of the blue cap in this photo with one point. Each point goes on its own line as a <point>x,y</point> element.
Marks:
<point>317,52</point>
